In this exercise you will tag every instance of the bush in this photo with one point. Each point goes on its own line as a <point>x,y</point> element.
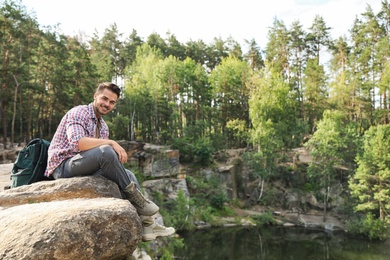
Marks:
<point>218,199</point>
<point>199,151</point>
<point>185,148</point>
<point>264,219</point>
<point>180,213</point>
<point>370,227</point>
<point>203,151</point>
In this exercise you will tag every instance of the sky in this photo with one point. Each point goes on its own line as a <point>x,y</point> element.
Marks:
<point>196,20</point>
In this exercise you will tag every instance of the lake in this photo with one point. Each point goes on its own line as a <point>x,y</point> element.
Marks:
<point>278,243</point>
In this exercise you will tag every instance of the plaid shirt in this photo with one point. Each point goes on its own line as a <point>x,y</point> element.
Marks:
<point>77,123</point>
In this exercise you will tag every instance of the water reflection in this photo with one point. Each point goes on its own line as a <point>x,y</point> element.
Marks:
<point>278,243</point>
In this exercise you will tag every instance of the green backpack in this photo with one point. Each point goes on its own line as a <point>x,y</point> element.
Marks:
<point>30,164</point>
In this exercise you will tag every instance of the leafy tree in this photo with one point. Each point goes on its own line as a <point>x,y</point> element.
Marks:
<point>273,111</point>
<point>106,54</point>
<point>328,148</point>
<point>277,54</point>
<point>216,52</point>
<point>234,48</point>
<point>156,41</point>
<point>231,93</point>
<point>366,64</point>
<point>129,50</point>
<point>371,182</point>
<point>317,38</point>
<point>197,51</point>
<point>194,94</point>
<point>383,91</point>
<point>298,48</point>
<point>143,90</point>
<point>119,127</point>
<point>253,56</point>
<point>315,92</point>
<point>175,48</point>
<point>341,94</point>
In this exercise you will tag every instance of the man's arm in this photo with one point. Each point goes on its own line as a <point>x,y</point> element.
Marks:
<point>87,143</point>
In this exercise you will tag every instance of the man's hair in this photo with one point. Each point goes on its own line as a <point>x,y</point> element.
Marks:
<point>110,86</point>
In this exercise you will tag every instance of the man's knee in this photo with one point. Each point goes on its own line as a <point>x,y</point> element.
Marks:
<point>108,152</point>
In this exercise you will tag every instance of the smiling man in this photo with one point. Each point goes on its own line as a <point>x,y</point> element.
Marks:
<point>81,147</point>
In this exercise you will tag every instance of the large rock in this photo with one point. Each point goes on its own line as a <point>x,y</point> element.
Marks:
<point>104,228</point>
<point>75,218</point>
<point>159,162</point>
<point>61,189</point>
<point>168,187</point>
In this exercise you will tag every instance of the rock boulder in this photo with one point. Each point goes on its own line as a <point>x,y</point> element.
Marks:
<point>71,229</point>
<point>76,218</point>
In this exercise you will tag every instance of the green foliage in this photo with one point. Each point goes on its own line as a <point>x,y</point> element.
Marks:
<point>199,151</point>
<point>264,219</point>
<point>203,151</point>
<point>262,163</point>
<point>218,199</point>
<point>165,250</point>
<point>180,213</point>
<point>371,182</point>
<point>271,198</point>
<point>209,199</point>
<point>332,145</point>
<point>119,127</point>
<point>370,226</point>
<point>240,130</point>
<point>273,111</point>
<point>185,148</point>
<point>231,94</point>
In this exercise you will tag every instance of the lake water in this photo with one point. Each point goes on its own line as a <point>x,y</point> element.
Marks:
<point>278,243</point>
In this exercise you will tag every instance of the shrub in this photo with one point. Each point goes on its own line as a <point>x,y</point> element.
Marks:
<point>178,213</point>
<point>218,199</point>
<point>203,151</point>
<point>370,227</point>
<point>264,219</point>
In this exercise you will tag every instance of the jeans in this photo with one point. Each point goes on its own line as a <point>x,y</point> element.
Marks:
<point>102,161</point>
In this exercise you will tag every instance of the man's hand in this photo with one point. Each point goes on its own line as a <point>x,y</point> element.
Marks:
<point>122,155</point>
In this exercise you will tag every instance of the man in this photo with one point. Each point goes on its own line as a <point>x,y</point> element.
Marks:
<point>81,147</point>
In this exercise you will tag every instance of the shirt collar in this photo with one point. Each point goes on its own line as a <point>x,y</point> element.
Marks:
<point>91,111</point>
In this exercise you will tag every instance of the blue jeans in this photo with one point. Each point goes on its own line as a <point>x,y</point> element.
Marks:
<point>101,160</point>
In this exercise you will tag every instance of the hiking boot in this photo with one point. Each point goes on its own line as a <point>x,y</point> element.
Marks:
<point>143,205</point>
<point>155,230</point>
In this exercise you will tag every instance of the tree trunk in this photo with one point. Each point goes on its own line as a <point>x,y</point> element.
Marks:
<point>261,190</point>
<point>14,110</point>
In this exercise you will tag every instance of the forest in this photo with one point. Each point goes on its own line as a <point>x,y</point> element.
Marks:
<point>203,97</point>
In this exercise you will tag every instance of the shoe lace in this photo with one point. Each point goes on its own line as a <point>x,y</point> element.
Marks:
<point>138,198</point>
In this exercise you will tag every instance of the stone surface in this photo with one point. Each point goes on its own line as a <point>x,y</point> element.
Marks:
<point>103,228</point>
<point>61,189</point>
<point>317,221</point>
<point>168,187</point>
<point>75,218</point>
<point>5,173</point>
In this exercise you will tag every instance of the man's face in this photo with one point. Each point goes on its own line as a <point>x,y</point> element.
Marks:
<point>104,102</point>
